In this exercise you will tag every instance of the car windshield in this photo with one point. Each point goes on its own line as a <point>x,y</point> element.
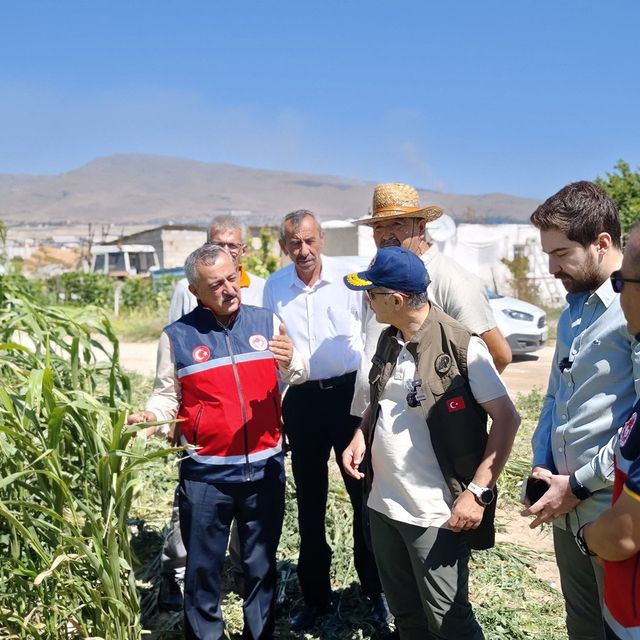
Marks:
<point>492,295</point>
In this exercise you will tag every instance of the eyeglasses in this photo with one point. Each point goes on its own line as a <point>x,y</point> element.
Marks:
<point>230,246</point>
<point>617,281</point>
<point>372,294</point>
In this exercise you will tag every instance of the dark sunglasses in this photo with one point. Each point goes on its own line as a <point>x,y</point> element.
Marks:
<point>617,281</point>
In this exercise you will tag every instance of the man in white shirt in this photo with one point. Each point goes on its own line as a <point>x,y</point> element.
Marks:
<point>431,468</point>
<point>398,220</point>
<point>228,233</point>
<point>323,320</point>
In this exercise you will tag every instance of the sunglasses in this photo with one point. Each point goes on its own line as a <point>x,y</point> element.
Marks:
<point>617,281</point>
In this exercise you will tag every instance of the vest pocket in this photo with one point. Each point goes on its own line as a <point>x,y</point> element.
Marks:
<point>196,424</point>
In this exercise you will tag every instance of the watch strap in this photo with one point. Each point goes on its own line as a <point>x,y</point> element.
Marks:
<point>485,495</point>
<point>582,543</point>
<point>578,489</point>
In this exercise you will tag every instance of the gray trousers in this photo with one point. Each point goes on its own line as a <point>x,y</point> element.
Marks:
<point>425,576</point>
<point>173,560</point>
<point>582,582</point>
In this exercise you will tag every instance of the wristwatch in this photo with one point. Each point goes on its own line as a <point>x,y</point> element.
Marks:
<point>485,495</point>
<point>582,543</point>
<point>578,489</point>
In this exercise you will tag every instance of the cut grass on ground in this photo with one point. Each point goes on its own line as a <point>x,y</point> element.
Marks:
<point>510,602</point>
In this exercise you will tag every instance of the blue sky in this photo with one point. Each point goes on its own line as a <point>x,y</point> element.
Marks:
<point>467,97</point>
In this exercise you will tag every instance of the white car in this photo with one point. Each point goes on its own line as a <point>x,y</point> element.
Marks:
<point>523,324</point>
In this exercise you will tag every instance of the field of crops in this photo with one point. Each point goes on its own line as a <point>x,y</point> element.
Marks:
<point>84,504</point>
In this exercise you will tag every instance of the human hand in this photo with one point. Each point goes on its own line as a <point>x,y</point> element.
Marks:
<point>466,512</point>
<point>353,455</point>
<point>557,501</point>
<point>282,348</point>
<point>143,416</point>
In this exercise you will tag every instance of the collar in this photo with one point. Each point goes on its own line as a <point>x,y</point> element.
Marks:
<point>429,255</point>
<point>245,281</point>
<point>604,292</point>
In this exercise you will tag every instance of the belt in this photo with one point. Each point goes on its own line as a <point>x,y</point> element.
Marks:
<point>328,383</point>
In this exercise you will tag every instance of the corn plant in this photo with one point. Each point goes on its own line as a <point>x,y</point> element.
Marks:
<point>68,475</point>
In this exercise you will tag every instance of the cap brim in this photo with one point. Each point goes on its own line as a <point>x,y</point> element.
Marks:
<point>358,281</point>
<point>429,214</point>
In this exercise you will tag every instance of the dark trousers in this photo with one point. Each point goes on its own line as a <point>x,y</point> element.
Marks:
<point>582,582</point>
<point>316,421</point>
<point>425,574</point>
<point>174,556</point>
<point>206,513</point>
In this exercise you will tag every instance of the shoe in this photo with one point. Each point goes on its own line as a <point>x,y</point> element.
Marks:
<point>170,595</point>
<point>306,618</point>
<point>380,610</point>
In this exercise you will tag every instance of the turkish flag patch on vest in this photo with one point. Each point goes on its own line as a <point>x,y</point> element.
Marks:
<point>455,404</point>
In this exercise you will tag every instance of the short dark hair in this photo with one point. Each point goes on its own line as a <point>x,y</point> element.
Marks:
<point>295,218</point>
<point>581,210</point>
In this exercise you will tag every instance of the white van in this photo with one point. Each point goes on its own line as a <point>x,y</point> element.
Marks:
<point>125,260</point>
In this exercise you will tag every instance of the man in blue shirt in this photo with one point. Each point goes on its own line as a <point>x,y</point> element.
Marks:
<point>590,393</point>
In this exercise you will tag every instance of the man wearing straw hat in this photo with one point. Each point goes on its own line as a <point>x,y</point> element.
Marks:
<point>398,220</point>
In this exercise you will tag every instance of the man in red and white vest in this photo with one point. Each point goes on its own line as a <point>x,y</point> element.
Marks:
<point>615,536</point>
<point>218,373</point>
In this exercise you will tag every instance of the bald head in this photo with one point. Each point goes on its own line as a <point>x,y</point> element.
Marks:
<point>630,294</point>
<point>632,250</point>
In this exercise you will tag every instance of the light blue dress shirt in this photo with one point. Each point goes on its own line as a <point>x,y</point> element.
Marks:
<point>594,382</point>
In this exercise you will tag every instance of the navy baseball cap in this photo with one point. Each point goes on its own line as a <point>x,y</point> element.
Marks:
<point>392,268</point>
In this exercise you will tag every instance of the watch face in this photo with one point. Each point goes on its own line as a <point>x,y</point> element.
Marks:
<point>486,497</point>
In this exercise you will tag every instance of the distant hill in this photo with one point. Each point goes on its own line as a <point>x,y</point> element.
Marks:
<point>150,190</point>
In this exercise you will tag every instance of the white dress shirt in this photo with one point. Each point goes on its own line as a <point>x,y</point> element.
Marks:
<point>323,320</point>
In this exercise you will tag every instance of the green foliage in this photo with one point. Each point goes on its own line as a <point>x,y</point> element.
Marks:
<point>623,186</point>
<point>140,325</point>
<point>35,289</point>
<point>261,261</point>
<point>79,288</point>
<point>519,463</point>
<point>523,287</point>
<point>69,475</point>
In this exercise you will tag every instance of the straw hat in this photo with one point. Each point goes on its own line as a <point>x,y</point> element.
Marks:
<point>397,200</point>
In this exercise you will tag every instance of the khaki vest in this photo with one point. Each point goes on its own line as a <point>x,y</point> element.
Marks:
<point>457,424</point>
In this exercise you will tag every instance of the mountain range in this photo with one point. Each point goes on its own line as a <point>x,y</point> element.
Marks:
<point>154,190</point>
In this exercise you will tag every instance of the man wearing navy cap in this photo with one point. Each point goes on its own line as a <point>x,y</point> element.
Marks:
<point>431,470</point>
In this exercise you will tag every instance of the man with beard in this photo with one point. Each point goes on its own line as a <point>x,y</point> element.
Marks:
<point>590,393</point>
<point>323,318</point>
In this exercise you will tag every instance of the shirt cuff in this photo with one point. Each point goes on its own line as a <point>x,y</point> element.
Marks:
<point>588,478</point>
